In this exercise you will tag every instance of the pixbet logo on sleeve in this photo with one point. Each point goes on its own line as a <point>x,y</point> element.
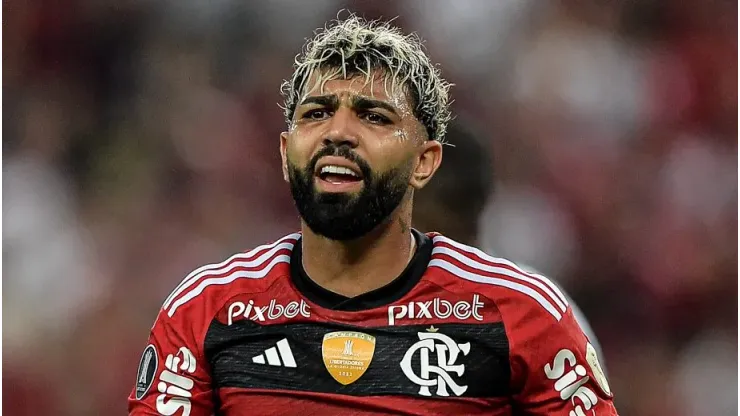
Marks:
<point>270,312</point>
<point>436,308</point>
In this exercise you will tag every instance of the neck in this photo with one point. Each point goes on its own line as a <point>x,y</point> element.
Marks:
<point>351,268</point>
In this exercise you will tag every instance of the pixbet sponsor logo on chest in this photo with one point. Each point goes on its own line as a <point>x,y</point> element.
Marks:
<point>272,311</point>
<point>436,308</point>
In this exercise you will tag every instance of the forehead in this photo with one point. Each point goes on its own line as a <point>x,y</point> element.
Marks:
<point>378,86</point>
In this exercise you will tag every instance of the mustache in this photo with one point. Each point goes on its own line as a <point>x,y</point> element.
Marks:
<point>341,151</point>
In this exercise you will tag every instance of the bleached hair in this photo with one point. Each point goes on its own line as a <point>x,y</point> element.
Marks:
<point>355,46</point>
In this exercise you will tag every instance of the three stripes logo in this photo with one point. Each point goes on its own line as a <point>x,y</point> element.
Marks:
<point>279,355</point>
<point>255,264</point>
<point>451,256</point>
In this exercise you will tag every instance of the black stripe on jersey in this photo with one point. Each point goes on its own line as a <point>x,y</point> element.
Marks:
<point>230,351</point>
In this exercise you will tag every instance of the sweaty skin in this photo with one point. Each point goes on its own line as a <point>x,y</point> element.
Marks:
<point>330,115</point>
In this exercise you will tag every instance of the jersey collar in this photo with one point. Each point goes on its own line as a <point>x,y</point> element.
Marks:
<point>385,295</point>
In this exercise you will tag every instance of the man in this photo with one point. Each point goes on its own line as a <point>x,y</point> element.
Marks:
<point>359,314</point>
<point>453,207</point>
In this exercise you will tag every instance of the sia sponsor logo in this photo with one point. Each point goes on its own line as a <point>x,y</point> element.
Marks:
<point>436,308</point>
<point>174,386</point>
<point>272,311</point>
<point>571,378</point>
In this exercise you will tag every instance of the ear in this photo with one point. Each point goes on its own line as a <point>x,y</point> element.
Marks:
<point>284,154</point>
<point>429,159</point>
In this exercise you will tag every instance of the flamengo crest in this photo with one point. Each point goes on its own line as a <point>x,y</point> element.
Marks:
<point>438,354</point>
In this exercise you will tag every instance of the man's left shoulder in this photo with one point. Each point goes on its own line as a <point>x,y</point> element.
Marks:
<point>504,282</point>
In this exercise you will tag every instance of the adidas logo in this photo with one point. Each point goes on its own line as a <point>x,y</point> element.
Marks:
<point>274,355</point>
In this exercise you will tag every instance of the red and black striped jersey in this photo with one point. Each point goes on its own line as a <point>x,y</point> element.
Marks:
<point>459,332</point>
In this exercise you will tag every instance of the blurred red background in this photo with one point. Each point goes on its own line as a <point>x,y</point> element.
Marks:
<point>140,140</point>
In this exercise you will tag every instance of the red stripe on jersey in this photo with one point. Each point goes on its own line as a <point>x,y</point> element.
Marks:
<point>455,270</point>
<point>243,402</point>
<point>457,260</point>
<point>502,268</point>
<point>258,272</point>
<point>196,274</point>
<point>253,258</point>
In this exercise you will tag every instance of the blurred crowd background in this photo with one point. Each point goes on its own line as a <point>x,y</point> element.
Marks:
<point>140,140</point>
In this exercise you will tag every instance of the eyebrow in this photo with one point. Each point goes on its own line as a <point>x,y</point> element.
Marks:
<point>323,100</point>
<point>358,103</point>
<point>364,103</point>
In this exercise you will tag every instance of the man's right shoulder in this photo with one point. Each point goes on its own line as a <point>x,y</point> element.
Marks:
<point>204,289</point>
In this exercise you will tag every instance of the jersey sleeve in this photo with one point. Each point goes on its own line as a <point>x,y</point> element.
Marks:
<point>172,378</point>
<point>555,370</point>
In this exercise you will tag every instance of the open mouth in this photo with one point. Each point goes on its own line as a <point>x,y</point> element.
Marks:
<point>338,174</point>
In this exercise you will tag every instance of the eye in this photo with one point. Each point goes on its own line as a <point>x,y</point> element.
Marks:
<point>316,114</point>
<point>375,118</point>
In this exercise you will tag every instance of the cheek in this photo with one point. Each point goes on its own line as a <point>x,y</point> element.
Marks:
<point>296,154</point>
<point>392,141</point>
<point>391,153</point>
<point>290,156</point>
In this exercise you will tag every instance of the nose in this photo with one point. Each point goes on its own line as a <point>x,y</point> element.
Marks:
<point>342,129</point>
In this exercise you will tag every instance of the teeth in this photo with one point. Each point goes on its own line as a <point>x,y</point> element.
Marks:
<point>340,170</point>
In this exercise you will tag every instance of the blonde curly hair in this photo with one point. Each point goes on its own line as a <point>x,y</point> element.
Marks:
<point>354,46</point>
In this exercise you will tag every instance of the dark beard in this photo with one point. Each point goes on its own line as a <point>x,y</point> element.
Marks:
<point>340,216</point>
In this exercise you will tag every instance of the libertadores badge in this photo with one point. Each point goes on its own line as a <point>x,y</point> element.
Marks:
<point>347,354</point>
<point>147,371</point>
